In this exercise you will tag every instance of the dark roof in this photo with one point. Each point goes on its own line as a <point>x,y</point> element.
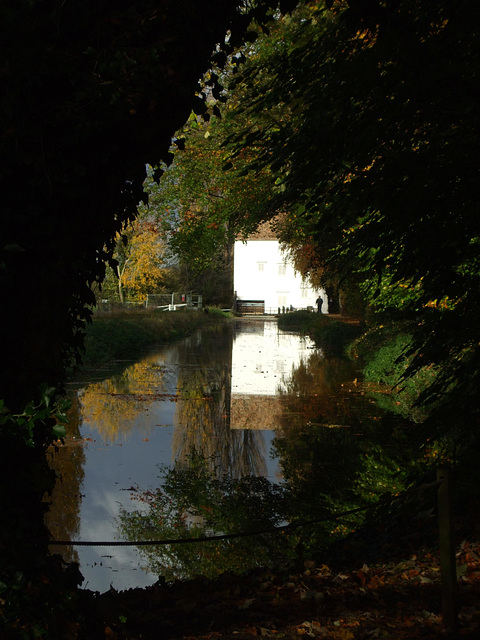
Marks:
<point>265,231</point>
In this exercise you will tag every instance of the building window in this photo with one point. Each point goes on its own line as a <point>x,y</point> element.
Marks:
<point>282,301</point>
<point>261,266</point>
<point>304,291</point>
<point>282,269</point>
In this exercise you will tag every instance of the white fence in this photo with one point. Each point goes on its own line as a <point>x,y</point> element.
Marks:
<point>173,301</point>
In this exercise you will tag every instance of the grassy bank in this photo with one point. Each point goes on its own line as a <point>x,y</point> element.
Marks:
<point>332,334</point>
<point>123,335</point>
<point>379,352</point>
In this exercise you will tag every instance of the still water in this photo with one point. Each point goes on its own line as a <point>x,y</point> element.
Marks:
<point>222,393</point>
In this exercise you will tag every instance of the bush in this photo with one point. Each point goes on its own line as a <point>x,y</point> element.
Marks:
<point>334,336</point>
<point>303,321</point>
<point>216,312</point>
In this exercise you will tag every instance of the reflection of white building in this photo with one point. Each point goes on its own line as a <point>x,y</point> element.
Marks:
<point>263,360</point>
<point>264,275</point>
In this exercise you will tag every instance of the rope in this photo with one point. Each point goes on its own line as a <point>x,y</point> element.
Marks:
<point>242,534</point>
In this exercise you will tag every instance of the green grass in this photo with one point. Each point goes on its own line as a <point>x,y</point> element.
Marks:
<point>382,353</point>
<point>333,336</point>
<point>303,321</point>
<point>378,336</point>
<point>127,334</point>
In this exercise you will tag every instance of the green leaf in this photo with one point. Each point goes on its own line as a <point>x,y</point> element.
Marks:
<point>59,431</point>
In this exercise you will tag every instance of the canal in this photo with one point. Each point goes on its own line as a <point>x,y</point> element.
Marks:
<point>239,427</point>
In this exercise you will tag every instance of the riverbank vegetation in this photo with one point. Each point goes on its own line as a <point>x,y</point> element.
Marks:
<point>374,199</point>
<point>334,335</point>
<point>353,126</point>
<point>126,333</point>
<point>406,442</point>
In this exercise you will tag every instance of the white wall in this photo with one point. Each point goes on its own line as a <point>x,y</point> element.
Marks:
<point>262,272</point>
<point>263,360</point>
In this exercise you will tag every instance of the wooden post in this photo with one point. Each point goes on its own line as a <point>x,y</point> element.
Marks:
<point>447,551</point>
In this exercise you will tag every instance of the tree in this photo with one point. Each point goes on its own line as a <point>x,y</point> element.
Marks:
<point>142,263</point>
<point>201,206</point>
<point>143,273</point>
<point>375,166</point>
<point>91,92</point>
<point>363,120</point>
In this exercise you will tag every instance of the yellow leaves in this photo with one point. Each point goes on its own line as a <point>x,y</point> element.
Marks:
<point>117,406</point>
<point>362,34</point>
<point>444,303</point>
<point>144,257</point>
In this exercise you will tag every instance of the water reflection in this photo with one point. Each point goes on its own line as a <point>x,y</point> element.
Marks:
<point>323,436</point>
<point>214,395</point>
<point>322,418</point>
<point>63,516</point>
<point>125,403</point>
<point>194,502</point>
<point>237,428</point>
<point>203,418</point>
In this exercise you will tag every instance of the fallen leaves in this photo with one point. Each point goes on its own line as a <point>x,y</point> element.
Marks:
<point>383,601</point>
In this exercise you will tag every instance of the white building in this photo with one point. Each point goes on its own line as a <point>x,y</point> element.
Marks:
<point>264,279</point>
<point>264,359</point>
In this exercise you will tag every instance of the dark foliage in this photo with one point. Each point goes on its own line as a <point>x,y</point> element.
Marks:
<point>376,164</point>
<point>91,92</point>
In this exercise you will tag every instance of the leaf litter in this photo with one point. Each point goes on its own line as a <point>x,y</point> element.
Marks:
<point>392,600</point>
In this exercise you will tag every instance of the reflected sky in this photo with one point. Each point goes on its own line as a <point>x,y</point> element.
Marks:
<point>216,392</point>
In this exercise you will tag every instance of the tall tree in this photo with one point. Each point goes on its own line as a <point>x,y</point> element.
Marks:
<point>375,164</point>
<point>363,120</point>
<point>143,266</point>
<point>201,206</point>
<point>91,92</point>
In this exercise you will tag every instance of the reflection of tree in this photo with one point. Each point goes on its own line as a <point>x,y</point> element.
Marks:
<point>320,391</point>
<point>247,453</point>
<point>331,443</point>
<point>202,418</point>
<point>195,501</point>
<point>62,518</point>
<point>116,404</point>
